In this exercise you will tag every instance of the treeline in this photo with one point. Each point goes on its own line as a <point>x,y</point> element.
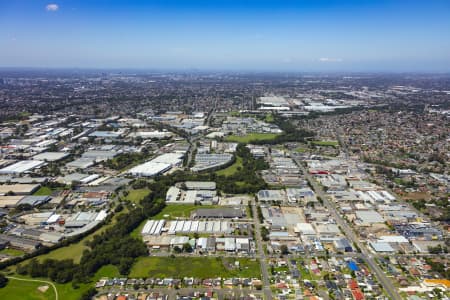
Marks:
<point>242,182</point>
<point>114,246</point>
<point>46,249</point>
<point>246,179</point>
<point>125,159</point>
<point>290,133</point>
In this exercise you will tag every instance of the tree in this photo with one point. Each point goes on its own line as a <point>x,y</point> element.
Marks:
<point>187,247</point>
<point>3,280</point>
<point>88,294</point>
<point>284,249</point>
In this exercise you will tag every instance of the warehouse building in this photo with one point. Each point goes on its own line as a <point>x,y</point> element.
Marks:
<point>51,156</point>
<point>189,227</point>
<point>368,217</point>
<point>34,200</point>
<point>9,201</point>
<point>210,161</point>
<point>18,189</point>
<point>22,166</point>
<point>20,243</point>
<point>226,212</point>
<point>200,185</point>
<point>271,196</point>
<point>153,227</point>
<point>158,165</point>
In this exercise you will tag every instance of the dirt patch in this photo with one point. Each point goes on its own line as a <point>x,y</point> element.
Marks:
<point>43,288</point>
<point>416,196</point>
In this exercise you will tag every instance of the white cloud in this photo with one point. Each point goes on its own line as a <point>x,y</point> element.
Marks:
<point>52,7</point>
<point>329,59</point>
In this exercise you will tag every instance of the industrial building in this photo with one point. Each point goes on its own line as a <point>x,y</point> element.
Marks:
<point>209,161</point>
<point>153,227</point>
<point>200,185</point>
<point>189,227</point>
<point>18,189</point>
<point>271,196</point>
<point>51,156</point>
<point>22,167</point>
<point>158,165</point>
<point>226,212</point>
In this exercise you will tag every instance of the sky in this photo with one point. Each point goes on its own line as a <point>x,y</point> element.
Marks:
<point>254,35</point>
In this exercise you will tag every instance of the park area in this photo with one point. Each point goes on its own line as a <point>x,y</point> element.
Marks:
<point>251,137</point>
<point>197,267</point>
<point>135,196</point>
<point>326,143</point>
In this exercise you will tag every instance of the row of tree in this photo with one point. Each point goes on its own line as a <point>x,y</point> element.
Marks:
<point>114,246</point>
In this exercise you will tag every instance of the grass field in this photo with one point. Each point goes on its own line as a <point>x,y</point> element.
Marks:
<point>199,267</point>
<point>301,149</point>
<point>269,118</point>
<point>326,143</point>
<point>179,211</point>
<point>74,251</point>
<point>23,290</point>
<point>43,191</point>
<point>231,169</point>
<point>12,252</point>
<point>251,137</point>
<point>137,195</point>
<point>136,233</point>
<point>109,271</point>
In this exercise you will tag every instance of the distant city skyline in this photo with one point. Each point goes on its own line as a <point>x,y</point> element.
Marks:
<point>299,36</point>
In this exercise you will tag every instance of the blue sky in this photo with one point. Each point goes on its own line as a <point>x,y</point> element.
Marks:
<point>299,35</point>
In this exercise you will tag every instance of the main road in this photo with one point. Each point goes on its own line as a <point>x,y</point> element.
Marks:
<point>261,254</point>
<point>367,256</point>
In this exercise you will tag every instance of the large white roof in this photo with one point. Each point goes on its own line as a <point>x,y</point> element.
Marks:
<point>21,166</point>
<point>149,169</point>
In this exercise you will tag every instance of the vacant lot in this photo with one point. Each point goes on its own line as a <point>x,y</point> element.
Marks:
<point>251,137</point>
<point>326,143</point>
<point>136,196</point>
<point>43,191</point>
<point>12,252</point>
<point>174,211</point>
<point>231,169</point>
<point>198,267</point>
<point>23,290</point>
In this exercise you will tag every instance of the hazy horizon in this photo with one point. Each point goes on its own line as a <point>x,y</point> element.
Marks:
<point>251,36</point>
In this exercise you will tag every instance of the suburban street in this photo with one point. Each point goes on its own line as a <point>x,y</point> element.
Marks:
<point>261,254</point>
<point>367,256</point>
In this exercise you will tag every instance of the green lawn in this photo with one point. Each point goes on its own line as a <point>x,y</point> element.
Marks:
<point>12,252</point>
<point>251,137</point>
<point>75,251</point>
<point>136,233</point>
<point>109,271</point>
<point>179,211</point>
<point>137,195</point>
<point>301,149</point>
<point>43,191</point>
<point>326,143</point>
<point>269,118</point>
<point>199,267</point>
<point>231,169</point>
<point>23,290</point>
